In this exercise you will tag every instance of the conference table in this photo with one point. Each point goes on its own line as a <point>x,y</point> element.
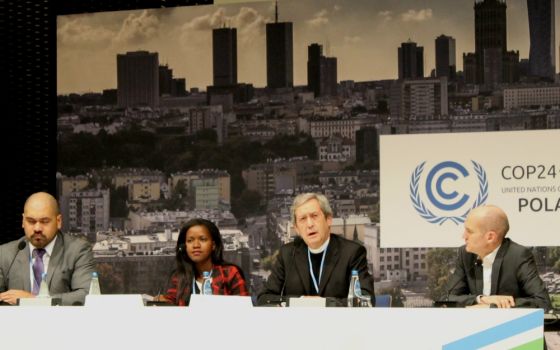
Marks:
<point>145,327</point>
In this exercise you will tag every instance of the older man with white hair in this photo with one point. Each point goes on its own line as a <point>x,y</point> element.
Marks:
<point>318,264</point>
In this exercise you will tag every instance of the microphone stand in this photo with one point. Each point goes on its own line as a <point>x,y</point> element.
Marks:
<point>446,302</point>
<point>282,302</point>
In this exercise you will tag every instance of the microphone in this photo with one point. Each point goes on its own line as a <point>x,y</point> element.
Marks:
<point>156,300</point>
<point>445,302</point>
<point>181,282</point>
<point>297,241</point>
<point>20,247</point>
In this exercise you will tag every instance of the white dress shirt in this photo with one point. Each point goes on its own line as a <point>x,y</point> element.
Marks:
<point>487,263</point>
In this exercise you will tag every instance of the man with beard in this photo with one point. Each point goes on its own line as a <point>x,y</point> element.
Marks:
<point>67,261</point>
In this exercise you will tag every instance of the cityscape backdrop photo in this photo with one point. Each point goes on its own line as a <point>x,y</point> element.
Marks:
<point>228,111</point>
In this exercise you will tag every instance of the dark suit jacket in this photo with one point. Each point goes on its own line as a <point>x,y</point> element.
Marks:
<point>514,273</point>
<point>291,271</point>
<point>68,275</point>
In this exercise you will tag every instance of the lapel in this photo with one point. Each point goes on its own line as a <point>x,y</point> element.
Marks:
<point>56,258</point>
<point>330,262</point>
<point>23,260</point>
<point>302,267</point>
<point>478,282</point>
<point>497,266</point>
<point>478,275</point>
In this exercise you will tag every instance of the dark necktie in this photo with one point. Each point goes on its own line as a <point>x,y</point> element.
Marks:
<point>38,268</point>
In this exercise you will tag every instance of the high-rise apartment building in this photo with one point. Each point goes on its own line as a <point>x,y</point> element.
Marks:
<point>138,79</point>
<point>322,74</point>
<point>411,61</point>
<point>86,211</point>
<point>421,99</point>
<point>165,80</point>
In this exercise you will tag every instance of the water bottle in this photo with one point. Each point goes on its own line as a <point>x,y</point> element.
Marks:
<point>94,284</point>
<point>44,287</point>
<point>206,283</point>
<point>355,291</point>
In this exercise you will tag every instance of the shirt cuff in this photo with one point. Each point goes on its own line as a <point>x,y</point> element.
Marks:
<point>479,299</point>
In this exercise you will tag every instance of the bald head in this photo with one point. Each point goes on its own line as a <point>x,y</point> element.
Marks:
<point>44,200</point>
<point>491,218</point>
<point>41,219</point>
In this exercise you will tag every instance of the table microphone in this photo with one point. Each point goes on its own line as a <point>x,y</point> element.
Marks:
<point>445,301</point>
<point>20,247</point>
<point>297,241</point>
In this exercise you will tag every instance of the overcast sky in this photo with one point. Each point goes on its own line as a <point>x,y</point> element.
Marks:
<point>363,34</point>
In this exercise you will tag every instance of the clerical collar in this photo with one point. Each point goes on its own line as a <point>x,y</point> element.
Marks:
<point>321,248</point>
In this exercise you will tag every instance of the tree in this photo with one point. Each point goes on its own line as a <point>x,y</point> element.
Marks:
<point>288,146</point>
<point>72,150</point>
<point>248,203</point>
<point>209,135</point>
<point>178,197</point>
<point>382,106</point>
<point>556,267</point>
<point>553,256</point>
<point>268,261</point>
<point>440,262</point>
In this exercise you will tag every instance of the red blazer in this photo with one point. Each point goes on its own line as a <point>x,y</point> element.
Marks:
<point>226,280</point>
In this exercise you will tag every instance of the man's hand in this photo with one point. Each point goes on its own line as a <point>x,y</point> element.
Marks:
<point>501,301</point>
<point>13,295</point>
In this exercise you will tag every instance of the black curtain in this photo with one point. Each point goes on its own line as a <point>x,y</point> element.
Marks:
<point>28,110</point>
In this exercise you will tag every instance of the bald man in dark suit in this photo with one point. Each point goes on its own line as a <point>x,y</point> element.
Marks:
<point>67,261</point>
<point>492,269</point>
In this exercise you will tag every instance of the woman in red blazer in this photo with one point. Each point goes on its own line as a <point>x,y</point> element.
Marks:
<point>199,249</point>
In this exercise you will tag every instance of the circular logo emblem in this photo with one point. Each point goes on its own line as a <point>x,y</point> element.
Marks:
<point>449,191</point>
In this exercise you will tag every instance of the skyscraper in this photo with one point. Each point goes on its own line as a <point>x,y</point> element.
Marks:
<point>279,54</point>
<point>542,54</point>
<point>322,76</point>
<point>314,54</point>
<point>329,76</point>
<point>469,67</point>
<point>224,56</point>
<point>446,65</point>
<point>493,64</point>
<point>411,61</point>
<point>138,79</point>
<point>490,33</point>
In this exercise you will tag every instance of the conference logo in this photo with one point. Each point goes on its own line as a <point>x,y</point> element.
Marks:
<point>448,190</point>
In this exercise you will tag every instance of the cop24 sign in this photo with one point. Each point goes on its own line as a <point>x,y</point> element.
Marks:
<point>441,201</point>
